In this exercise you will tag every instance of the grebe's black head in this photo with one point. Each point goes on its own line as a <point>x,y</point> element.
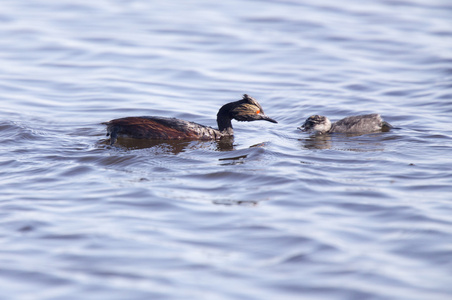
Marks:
<point>248,109</point>
<point>316,124</point>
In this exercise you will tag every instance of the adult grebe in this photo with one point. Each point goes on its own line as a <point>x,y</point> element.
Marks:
<point>356,124</point>
<point>161,128</point>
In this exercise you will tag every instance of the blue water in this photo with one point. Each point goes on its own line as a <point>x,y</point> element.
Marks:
<point>277,214</point>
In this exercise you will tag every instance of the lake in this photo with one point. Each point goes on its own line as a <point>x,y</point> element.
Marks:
<point>275,213</point>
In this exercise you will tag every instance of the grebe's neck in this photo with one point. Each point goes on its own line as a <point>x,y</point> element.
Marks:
<point>325,126</point>
<point>224,118</point>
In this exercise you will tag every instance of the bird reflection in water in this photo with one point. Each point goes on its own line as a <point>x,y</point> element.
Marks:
<point>172,146</point>
<point>345,142</point>
<point>317,142</point>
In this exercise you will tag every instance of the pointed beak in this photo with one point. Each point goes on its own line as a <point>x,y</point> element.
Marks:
<point>267,118</point>
<point>306,126</point>
<point>302,127</point>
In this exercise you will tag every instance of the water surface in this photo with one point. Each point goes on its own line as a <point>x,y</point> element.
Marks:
<point>273,214</point>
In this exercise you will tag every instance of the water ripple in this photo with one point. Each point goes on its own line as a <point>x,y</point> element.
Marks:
<point>273,213</point>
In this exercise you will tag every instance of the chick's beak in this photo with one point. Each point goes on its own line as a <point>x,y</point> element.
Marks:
<point>303,127</point>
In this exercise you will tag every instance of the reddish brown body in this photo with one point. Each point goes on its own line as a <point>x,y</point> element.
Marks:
<point>159,128</point>
<point>146,128</point>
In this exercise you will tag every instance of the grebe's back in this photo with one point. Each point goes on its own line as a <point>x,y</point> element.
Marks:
<point>158,128</point>
<point>361,124</point>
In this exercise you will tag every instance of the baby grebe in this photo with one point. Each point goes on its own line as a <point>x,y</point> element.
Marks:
<point>356,124</point>
<point>161,128</point>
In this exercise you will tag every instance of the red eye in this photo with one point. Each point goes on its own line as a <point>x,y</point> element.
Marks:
<point>258,112</point>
